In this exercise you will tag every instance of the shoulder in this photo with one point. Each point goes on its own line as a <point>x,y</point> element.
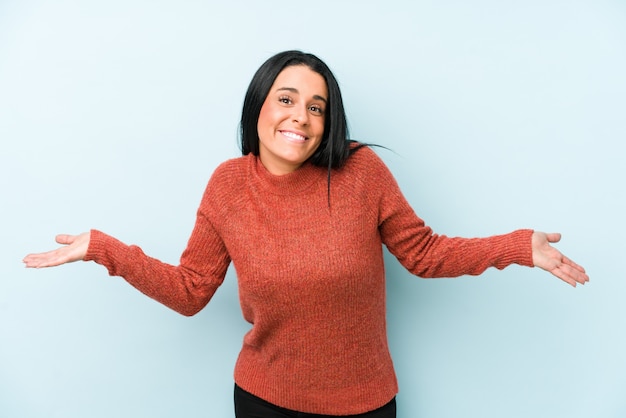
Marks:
<point>365,174</point>
<point>226,182</point>
<point>230,172</point>
<point>232,166</point>
<point>365,163</point>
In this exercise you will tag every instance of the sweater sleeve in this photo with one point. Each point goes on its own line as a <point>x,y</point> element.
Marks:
<point>429,255</point>
<point>185,288</point>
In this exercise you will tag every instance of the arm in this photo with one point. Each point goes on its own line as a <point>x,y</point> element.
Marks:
<point>427,254</point>
<point>186,288</point>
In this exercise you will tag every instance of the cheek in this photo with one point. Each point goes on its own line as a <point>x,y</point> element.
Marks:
<point>263,121</point>
<point>320,129</point>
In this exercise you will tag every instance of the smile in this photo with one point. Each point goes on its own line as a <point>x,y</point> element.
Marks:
<point>294,136</point>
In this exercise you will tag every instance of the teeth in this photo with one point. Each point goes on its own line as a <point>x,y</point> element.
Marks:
<point>293,135</point>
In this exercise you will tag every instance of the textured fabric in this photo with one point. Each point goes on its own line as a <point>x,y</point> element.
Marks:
<point>310,274</point>
<point>249,406</point>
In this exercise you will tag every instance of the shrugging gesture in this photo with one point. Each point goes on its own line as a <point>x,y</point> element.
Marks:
<point>545,256</point>
<point>291,282</point>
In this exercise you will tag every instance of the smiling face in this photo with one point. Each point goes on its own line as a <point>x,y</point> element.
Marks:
<point>291,121</point>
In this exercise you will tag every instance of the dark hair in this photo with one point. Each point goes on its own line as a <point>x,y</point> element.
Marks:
<point>335,147</point>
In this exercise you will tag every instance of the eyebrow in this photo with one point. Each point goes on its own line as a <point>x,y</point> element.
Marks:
<point>294,90</point>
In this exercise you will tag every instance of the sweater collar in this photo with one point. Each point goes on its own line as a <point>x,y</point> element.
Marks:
<point>296,182</point>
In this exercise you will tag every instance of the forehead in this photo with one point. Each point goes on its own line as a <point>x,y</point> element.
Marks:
<point>303,79</point>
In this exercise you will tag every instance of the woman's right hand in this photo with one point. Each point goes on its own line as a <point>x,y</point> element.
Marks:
<point>74,249</point>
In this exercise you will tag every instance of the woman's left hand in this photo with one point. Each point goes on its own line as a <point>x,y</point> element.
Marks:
<point>550,259</point>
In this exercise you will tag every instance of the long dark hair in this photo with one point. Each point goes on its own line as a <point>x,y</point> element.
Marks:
<point>335,147</point>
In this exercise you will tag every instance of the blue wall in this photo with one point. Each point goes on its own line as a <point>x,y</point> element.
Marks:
<point>114,114</point>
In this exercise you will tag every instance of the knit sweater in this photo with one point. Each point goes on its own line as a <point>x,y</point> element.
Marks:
<point>310,274</point>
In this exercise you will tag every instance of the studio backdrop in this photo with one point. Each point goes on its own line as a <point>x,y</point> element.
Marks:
<point>494,115</point>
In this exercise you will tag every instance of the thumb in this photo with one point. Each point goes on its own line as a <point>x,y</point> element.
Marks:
<point>553,237</point>
<point>65,239</point>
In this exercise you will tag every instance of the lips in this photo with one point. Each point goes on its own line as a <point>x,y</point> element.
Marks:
<point>293,135</point>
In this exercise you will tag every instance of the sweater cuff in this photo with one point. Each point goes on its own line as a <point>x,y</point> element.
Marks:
<point>523,242</point>
<point>95,246</point>
<point>103,248</point>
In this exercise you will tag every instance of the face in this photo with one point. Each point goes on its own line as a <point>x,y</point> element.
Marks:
<point>291,121</point>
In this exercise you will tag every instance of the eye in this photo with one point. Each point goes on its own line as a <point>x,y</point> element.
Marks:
<point>285,100</point>
<point>316,109</point>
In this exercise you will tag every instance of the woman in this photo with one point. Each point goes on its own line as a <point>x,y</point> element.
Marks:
<point>303,216</point>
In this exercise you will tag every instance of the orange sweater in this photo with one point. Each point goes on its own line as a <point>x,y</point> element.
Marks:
<point>311,277</point>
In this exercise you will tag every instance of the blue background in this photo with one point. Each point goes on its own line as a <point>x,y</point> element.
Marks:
<point>501,115</point>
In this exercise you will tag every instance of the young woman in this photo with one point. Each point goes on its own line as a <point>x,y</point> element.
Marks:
<point>303,216</point>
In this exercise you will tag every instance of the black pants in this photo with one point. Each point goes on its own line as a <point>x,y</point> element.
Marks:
<point>249,406</point>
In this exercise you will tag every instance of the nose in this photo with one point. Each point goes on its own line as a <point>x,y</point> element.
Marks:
<point>301,115</point>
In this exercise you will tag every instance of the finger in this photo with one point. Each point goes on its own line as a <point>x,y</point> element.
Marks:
<point>36,258</point>
<point>40,260</point>
<point>573,264</point>
<point>563,276</point>
<point>48,259</point>
<point>578,275</point>
<point>571,275</point>
<point>65,239</point>
<point>33,261</point>
<point>553,237</point>
<point>573,270</point>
